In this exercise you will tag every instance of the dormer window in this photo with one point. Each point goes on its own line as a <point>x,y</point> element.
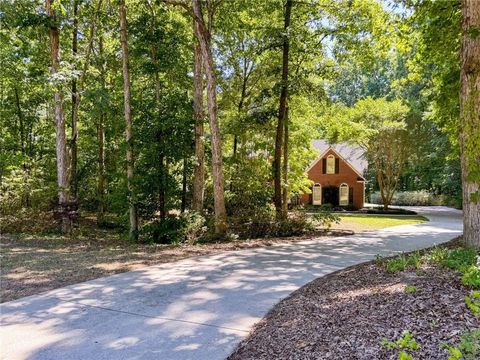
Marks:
<point>330,164</point>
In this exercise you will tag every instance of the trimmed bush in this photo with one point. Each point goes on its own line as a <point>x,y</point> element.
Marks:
<point>411,198</point>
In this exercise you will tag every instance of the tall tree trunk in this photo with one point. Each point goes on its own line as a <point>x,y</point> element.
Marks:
<point>77,89</point>
<point>199,168</point>
<point>101,206</point>
<point>162,169</point>
<point>243,95</point>
<point>285,166</point>
<point>282,113</point>
<point>204,37</point>
<point>470,121</point>
<point>26,187</point>
<point>60,143</point>
<point>133,235</point>
<point>75,99</point>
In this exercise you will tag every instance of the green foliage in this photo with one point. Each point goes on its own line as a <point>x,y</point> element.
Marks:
<point>471,276</point>
<point>468,348</point>
<point>405,343</point>
<point>410,289</point>
<point>173,229</point>
<point>411,198</point>
<point>403,262</point>
<point>262,223</point>
<point>473,302</point>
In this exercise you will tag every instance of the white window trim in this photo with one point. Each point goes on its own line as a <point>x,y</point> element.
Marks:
<point>319,187</point>
<point>330,170</point>
<point>344,202</point>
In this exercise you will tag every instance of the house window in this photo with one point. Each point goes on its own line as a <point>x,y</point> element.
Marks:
<point>343,194</point>
<point>317,194</point>
<point>330,164</point>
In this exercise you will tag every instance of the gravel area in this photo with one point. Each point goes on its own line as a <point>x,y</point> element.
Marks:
<point>345,315</point>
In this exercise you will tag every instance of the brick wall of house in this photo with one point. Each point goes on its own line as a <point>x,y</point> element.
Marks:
<point>345,175</point>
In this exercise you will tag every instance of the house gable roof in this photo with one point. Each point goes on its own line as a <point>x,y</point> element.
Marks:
<point>352,155</point>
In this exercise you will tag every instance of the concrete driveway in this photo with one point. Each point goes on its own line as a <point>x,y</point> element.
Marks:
<point>198,308</point>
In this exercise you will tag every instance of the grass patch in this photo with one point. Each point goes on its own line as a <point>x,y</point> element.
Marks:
<point>381,221</point>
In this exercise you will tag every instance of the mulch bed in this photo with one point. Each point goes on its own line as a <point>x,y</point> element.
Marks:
<point>345,315</point>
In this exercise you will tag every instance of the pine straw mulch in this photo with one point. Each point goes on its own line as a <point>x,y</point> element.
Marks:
<point>345,315</point>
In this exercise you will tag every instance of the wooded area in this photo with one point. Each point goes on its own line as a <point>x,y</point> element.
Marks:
<point>162,116</point>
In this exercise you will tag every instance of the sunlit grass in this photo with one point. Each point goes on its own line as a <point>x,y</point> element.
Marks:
<point>381,221</point>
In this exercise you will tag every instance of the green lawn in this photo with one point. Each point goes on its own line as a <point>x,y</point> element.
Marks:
<point>368,222</point>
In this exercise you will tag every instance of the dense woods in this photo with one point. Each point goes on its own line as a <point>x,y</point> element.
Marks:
<point>157,116</point>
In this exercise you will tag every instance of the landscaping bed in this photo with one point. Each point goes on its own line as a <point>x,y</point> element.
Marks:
<point>409,307</point>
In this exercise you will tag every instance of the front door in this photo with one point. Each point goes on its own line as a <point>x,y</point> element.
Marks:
<point>330,195</point>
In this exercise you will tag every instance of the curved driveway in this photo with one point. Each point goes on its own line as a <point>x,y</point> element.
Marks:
<point>197,308</point>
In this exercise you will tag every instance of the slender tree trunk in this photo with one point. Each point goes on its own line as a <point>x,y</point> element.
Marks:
<point>128,123</point>
<point>26,187</point>
<point>183,204</point>
<point>470,121</point>
<point>101,208</point>
<point>160,136</point>
<point>204,38</point>
<point>60,143</point>
<point>199,168</point>
<point>282,113</point>
<point>285,166</point>
<point>101,169</point>
<point>75,99</point>
<point>243,95</point>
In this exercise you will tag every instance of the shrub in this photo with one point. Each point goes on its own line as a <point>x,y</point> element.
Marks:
<point>28,220</point>
<point>411,198</point>
<point>187,227</point>
<point>262,223</point>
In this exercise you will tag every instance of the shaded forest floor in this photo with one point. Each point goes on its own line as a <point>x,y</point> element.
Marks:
<point>31,264</point>
<point>362,312</point>
<point>34,264</point>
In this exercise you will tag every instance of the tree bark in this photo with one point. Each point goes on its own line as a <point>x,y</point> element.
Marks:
<point>75,100</point>
<point>204,37</point>
<point>199,168</point>
<point>183,204</point>
<point>162,169</point>
<point>60,142</point>
<point>285,166</point>
<point>101,207</point>
<point>282,113</point>
<point>26,187</point>
<point>470,121</point>
<point>77,89</point>
<point>133,234</point>
<point>101,168</point>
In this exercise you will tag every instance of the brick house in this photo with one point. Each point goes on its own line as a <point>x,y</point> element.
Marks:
<point>337,176</point>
